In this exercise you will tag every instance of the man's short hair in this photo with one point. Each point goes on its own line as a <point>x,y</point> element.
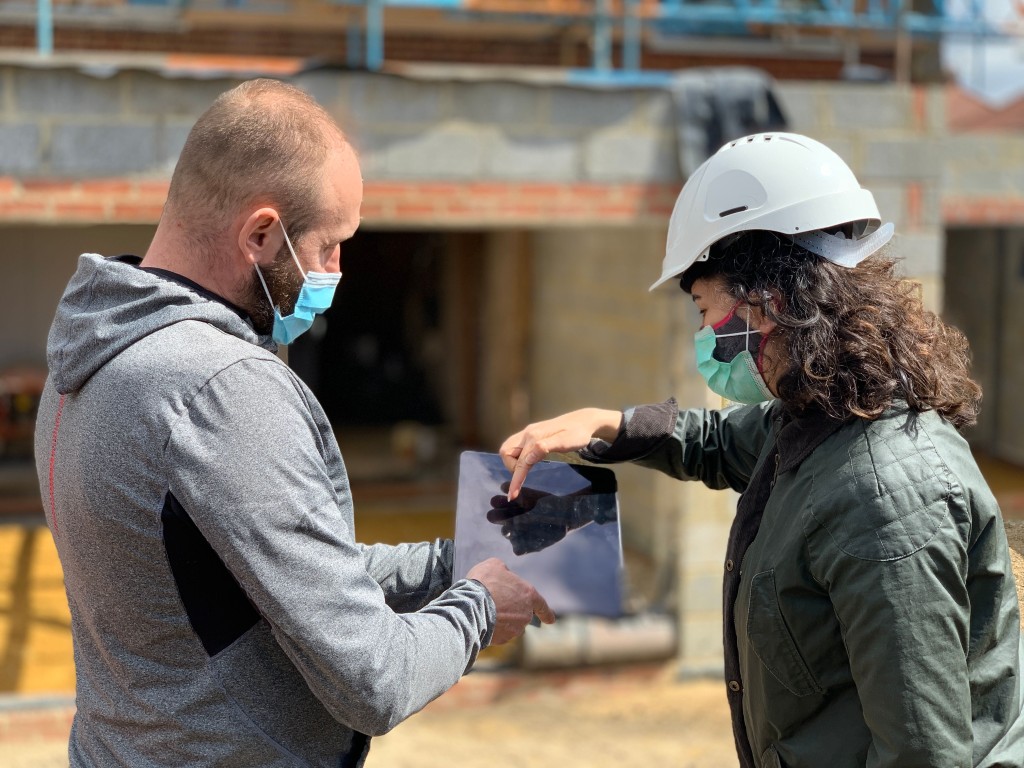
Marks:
<point>263,142</point>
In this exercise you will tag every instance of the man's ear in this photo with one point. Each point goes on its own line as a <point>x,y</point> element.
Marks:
<point>260,237</point>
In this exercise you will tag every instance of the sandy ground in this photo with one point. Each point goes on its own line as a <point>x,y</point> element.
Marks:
<point>636,722</point>
<point>1015,535</point>
<point>625,719</point>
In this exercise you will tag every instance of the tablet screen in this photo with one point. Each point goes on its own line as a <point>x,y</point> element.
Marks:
<point>561,534</point>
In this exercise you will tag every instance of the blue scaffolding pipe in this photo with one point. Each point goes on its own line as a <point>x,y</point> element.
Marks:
<point>878,15</point>
<point>44,27</point>
<point>896,16</point>
<point>631,36</point>
<point>602,40</point>
<point>374,34</point>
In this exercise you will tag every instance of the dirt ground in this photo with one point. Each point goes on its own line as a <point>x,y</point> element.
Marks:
<point>627,721</point>
<point>655,721</point>
<point>593,719</point>
<point>634,724</point>
<point>576,721</point>
<point>1015,535</point>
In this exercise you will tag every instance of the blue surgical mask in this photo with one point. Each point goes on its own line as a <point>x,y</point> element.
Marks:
<point>314,298</point>
<point>728,367</point>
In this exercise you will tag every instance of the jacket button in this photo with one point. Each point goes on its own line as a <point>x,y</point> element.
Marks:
<point>735,686</point>
<point>729,565</point>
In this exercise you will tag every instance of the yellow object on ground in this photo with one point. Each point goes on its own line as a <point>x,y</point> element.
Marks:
<point>35,624</point>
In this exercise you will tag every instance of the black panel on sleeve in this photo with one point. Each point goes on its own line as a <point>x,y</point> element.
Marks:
<point>217,607</point>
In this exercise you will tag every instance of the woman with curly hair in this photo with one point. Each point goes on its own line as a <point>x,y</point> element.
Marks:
<point>870,610</point>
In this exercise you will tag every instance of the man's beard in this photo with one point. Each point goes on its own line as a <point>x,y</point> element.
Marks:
<point>284,281</point>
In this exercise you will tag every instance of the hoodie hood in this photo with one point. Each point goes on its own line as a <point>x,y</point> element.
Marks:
<point>111,304</point>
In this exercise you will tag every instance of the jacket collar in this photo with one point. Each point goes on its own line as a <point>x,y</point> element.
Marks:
<point>800,435</point>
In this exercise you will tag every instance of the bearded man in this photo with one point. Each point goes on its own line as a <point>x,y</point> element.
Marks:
<point>222,611</point>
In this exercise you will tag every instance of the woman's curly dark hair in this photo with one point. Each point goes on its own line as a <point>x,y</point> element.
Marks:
<point>855,339</point>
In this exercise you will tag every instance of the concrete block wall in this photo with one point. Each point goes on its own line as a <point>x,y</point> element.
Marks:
<point>450,130</point>
<point>598,339</point>
<point>983,180</point>
<point>894,138</point>
<point>75,147</point>
<point>65,123</point>
<point>62,123</point>
<point>128,123</point>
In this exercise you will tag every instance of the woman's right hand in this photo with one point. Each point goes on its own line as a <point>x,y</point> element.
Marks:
<point>568,432</point>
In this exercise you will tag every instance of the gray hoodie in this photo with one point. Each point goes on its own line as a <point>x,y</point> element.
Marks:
<point>222,612</point>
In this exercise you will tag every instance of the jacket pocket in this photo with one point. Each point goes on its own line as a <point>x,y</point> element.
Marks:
<point>771,640</point>
<point>268,691</point>
<point>770,758</point>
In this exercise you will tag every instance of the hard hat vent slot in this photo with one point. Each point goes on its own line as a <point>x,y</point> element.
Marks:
<point>731,211</point>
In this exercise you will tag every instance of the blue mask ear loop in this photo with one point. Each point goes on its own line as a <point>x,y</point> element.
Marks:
<point>259,274</point>
<point>291,250</point>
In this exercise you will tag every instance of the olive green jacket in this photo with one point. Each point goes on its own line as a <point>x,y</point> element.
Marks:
<point>875,619</point>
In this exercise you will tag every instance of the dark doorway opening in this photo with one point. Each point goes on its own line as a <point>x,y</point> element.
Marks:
<point>395,360</point>
<point>372,358</point>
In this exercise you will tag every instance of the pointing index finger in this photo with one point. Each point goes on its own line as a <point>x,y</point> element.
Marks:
<point>542,610</point>
<point>518,478</point>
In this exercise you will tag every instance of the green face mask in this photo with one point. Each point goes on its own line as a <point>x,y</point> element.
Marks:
<point>736,379</point>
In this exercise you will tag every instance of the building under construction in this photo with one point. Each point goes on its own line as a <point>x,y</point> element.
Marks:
<point>521,160</point>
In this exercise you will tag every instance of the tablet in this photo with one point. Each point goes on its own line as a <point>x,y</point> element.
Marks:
<point>561,534</point>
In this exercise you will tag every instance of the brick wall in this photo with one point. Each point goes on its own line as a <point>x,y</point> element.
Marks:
<point>411,204</point>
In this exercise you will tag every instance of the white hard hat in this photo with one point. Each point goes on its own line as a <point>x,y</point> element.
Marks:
<point>781,182</point>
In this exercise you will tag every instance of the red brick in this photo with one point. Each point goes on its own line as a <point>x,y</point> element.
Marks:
<point>21,209</point>
<point>521,209</point>
<point>661,211</point>
<point>461,210</point>
<point>661,194</point>
<point>388,189</point>
<point>119,187</point>
<point>920,107</point>
<point>373,210</point>
<point>9,187</point>
<point>540,190</point>
<point>618,211</point>
<point>413,210</point>
<point>438,190</point>
<point>593,191</point>
<point>50,187</point>
<point>137,212</point>
<point>572,214</point>
<point>983,211</point>
<point>488,189</point>
<point>89,211</point>
<point>52,725</point>
<point>633,192</point>
<point>914,205</point>
<point>147,189</point>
